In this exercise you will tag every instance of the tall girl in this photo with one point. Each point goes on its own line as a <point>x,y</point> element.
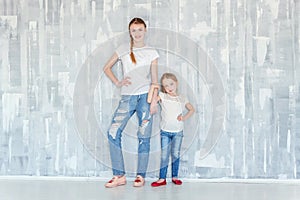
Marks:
<point>139,63</point>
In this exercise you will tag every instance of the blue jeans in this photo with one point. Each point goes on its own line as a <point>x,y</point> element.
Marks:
<point>128,105</point>
<point>170,144</point>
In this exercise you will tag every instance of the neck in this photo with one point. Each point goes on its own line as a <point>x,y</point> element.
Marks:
<point>172,94</point>
<point>138,44</point>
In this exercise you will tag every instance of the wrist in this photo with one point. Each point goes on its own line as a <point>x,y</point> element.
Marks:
<point>155,85</point>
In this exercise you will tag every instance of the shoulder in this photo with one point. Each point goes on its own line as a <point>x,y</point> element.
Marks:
<point>183,99</point>
<point>153,50</point>
<point>161,95</point>
<point>150,51</point>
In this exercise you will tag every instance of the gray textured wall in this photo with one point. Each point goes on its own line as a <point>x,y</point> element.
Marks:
<point>51,58</point>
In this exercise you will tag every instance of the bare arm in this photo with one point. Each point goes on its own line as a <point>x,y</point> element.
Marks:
<point>154,70</point>
<point>108,68</point>
<point>108,71</point>
<point>154,79</point>
<point>190,112</point>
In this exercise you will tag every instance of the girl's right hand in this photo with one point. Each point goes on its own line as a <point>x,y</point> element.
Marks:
<point>153,107</point>
<point>124,82</point>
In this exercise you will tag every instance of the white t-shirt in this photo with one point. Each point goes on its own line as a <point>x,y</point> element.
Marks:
<point>139,73</point>
<point>171,108</point>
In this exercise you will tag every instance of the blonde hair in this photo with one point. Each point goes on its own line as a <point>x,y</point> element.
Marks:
<point>167,76</point>
<point>135,20</point>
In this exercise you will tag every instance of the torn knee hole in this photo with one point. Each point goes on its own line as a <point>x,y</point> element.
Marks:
<point>114,129</point>
<point>143,126</point>
<point>122,111</point>
<point>119,118</point>
<point>145,122</point>
<point>116,124</point>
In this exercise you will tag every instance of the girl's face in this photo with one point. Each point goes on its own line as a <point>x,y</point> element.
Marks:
<point>137,32</point>
<point>170,86</point>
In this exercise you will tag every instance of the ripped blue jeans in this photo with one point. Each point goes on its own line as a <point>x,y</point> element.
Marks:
<point>128,105</point>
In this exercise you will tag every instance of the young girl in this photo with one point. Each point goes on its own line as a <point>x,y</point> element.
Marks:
<point>172,117</point>
<point>139,63</point>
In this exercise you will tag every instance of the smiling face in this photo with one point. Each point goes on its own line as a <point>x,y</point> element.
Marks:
<point>170,86</point>
<point>137,32</point>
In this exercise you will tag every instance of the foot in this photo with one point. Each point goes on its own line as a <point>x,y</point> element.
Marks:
<point>176,181</point>
<point>139,181</point>
<point>158,183</point>
<point>116,181</point>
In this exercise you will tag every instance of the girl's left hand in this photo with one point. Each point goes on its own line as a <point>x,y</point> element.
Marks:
<point>180,118</point>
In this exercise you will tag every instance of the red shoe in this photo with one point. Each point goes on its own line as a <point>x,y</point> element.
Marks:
<point>157,183</point>
<point>177,181</point>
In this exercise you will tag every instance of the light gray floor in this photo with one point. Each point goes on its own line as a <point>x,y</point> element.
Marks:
<point>93,189</point>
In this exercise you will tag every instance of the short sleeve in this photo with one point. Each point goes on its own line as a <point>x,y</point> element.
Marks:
<point>161,95</point>
<point>155,54</point>
<point>184,100</point>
